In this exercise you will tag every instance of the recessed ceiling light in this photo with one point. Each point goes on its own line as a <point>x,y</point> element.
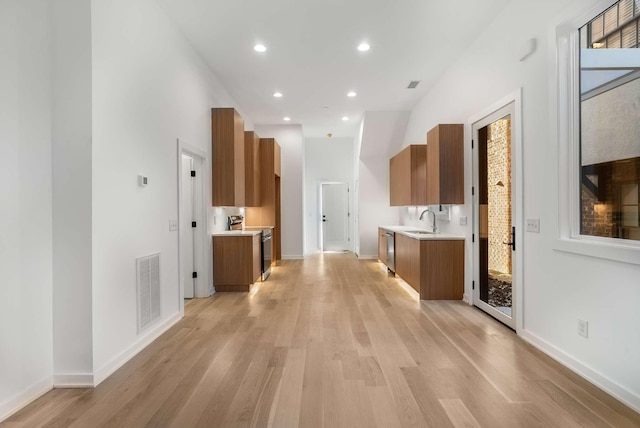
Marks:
<point>286,118</point>
<point>351,94</point>
<point>260,48</point>
<point>277,94</point>
<point>345,118</point>
<point>363,47</point>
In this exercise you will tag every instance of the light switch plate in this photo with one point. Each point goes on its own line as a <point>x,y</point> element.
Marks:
<point>533,225</point>
<point>463,220</point>
<point>173,225</point>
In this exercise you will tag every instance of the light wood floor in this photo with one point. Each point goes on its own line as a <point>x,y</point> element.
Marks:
<point>333,342</point>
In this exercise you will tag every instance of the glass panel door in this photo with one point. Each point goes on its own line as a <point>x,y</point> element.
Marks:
<point>496,241</point>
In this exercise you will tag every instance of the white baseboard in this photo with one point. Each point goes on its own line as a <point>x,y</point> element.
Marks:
<point>467,299</point>
<point>618,391</point>
<point>18,401</point>
<point>73,380</point>
<point>293,257</point>
<point>367,257</point>
<point>121,359</point>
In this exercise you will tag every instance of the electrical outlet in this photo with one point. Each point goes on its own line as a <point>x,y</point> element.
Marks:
<point>463,220</point>
<point>173,225</point>
<point>533,225</point>
<point>583,328</point>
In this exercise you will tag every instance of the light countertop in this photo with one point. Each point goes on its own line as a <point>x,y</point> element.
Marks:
<point>237,233</point>
<point>414,232</point>
<point>247,231</point>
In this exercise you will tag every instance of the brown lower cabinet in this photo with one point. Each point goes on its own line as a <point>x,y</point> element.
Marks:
<point>236,262</point>
<point>382,245</point>
<point>434,268</point>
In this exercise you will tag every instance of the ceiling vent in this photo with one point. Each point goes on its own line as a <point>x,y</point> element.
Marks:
<point>413,84</point>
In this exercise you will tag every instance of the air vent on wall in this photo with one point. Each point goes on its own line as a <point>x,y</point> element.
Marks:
<point>413,84</point>
<point>148,290</point>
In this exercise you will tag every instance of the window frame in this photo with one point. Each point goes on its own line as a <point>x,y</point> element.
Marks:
<point>567,78</point>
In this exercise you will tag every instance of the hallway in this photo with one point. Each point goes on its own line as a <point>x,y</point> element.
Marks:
<point>332,341</point>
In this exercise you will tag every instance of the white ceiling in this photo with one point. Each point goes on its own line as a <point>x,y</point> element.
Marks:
<point>312,57</point>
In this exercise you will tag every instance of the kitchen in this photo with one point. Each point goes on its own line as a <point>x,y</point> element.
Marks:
<point>414,181</point>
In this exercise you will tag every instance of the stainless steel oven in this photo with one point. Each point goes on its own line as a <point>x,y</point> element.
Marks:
<point>267,253</point>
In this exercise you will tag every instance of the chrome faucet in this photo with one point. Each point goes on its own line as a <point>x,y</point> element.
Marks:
<point>433,226</point>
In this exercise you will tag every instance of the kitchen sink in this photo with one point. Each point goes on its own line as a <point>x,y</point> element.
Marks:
<point>419,232</point>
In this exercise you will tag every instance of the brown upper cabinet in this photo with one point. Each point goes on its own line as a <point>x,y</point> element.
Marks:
<point>408,177</point>
<point>277,163</point>
<point>228,159</point>
<point>269,211</point>
<point>445,165</point>
<point>252,169</point>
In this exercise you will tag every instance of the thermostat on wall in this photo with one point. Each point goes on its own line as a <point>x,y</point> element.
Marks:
<point>142,180</point>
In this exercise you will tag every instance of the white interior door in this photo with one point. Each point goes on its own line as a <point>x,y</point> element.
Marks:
<point>335,217</point>
<point>187,237</point>
<point>496,241</point>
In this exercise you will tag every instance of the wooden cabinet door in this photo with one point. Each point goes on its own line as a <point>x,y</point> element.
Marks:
<point>233,260</point>
<point>400,179</point>
<point>277,159</point>
<point>408,176</point>
<point>415,261</point>
<point>403,256</point>
<point>227,158</point>
<point>445,165</point>
<point>443,270</point>
<point>252,169</point>
<point>382,245</point>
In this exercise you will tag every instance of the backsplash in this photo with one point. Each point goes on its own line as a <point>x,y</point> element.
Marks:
<point>409,216</point>
<point>218,217</point>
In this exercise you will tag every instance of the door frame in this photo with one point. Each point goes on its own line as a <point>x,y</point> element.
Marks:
<point>518,285</point>
<point>320,209</point>
<point>201,243</point>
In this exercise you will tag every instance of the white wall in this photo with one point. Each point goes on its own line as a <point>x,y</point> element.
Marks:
<point>72,178</point>
<point>373,207</point>
<point>149,89</point>
<point>25,203</point>
<point>291,140</point>
<point>558,287</point>
<point>382,134</point>
<point>325,159</point>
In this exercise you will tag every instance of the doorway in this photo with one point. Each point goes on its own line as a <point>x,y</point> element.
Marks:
<point>187,239</point>
<point>192,229</point>
<point>496,245</point>
<point>334,211</point>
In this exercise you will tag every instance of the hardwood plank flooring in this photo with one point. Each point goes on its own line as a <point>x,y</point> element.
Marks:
<point>333,342</point>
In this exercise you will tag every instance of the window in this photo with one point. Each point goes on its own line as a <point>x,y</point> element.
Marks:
<point>609,132</point>
<point>617,27</point>
<point>597,120</point>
